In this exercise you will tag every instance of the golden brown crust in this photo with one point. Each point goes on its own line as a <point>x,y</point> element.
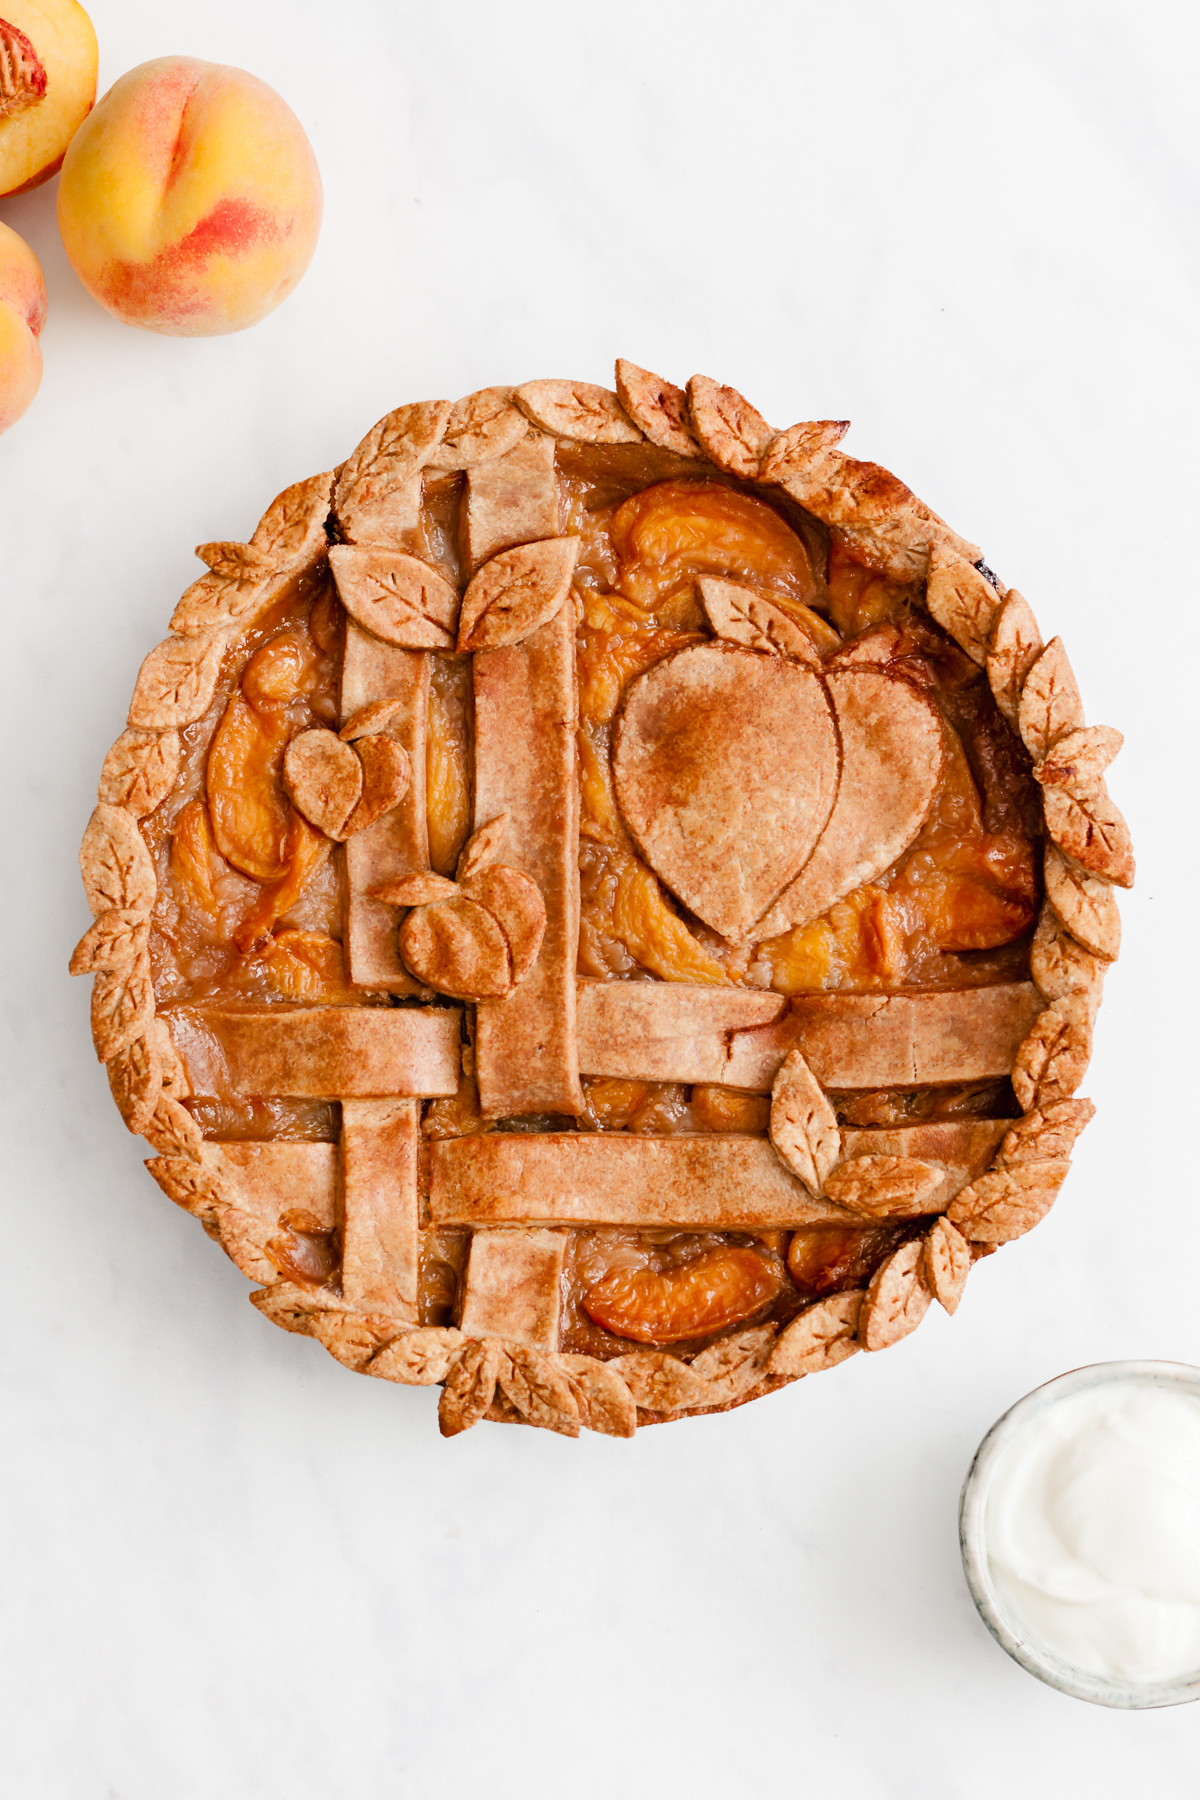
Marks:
<point>525,719</point>
<point>965,604</point>
<point>657,408</point>
<point>1016,644</point>
<point>140,770</point>
<point>415,890</point>
<point>891,1040</point>
<point>820,1338</point>
<point>265,1180</point>
<point>1015,647</point>
<point>135,1078</point>
<point>172,1131</point>
<point>577,410</point>
<point>380,1206</point>
<point>884,1187</point>
<point>725,765</point>
<point>396,597</point>
<point>511,499</point>
<point>733,434</point>
<point>122,1006</point>
<point>373,718</point>
<point>176,683</point>
<point>323,779</point>
<point>959,1149</point>
<point>733,1366</point>
<point>1050,704</point>
<point>515,592</point>
<point>1046,1134</point>
<point>897,1298</point>
<point>740,616</point>
<point>1084,904</point>
<point>370,498</point>
<point>479,427</point>
<point>289,540</point>
<point>717,1183</point>
<point>947,1264</point>
<point>336,1052</point>
<point>386,779</point>
<point>803,1125</point>
<point>604,1401</point>
<point>1007,1203</point>
<point>470,1387</point>
<point>457,947</point>
<point>1053,1059</point>
<point>515,903</point>
<point>873,514</point>
<point>512,1287</point>
<point>117,938</point>
<point>1089,829</point>
<point>891,760</point>
<point>1061,966</point>
<point>419,1358</point>
<point>658,1382</point>
<point>1078,760</point>
<point>397,843</point>
<point>667,1031</point>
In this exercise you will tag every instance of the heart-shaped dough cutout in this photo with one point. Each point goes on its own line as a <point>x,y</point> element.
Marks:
<point>892,752</point>
<point>726,767</point>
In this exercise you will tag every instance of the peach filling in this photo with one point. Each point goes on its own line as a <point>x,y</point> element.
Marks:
<point>448,761</point>
<point>954,909</point>
<point>240,856</point>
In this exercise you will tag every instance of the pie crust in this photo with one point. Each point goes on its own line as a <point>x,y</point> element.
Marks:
<point>603,905</point>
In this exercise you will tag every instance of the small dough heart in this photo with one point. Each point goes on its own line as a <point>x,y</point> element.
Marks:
<point>726,767</point>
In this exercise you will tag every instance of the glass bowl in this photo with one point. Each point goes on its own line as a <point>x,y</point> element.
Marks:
<point>996,1612</point>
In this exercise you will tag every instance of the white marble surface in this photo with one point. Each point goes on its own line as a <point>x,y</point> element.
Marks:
<point>230,1568</point>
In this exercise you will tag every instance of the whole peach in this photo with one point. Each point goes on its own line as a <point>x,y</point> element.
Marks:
<point>190,198</point>
<point>22,315</point>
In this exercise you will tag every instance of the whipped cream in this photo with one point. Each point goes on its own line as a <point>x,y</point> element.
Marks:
<point>1093,1530</point>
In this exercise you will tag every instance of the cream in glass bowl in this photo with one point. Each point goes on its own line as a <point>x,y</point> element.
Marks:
<point>1080,1531</point>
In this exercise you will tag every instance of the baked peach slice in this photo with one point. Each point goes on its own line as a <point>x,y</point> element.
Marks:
<point>721,1287</point>
<point>254,826</point>
<point>22,315</point>
<point>47,86</point>
<point>676,530</point>
<point>832,1258</point>
<point>190,200</point>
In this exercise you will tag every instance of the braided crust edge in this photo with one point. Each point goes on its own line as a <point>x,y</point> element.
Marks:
<point>888,528</point>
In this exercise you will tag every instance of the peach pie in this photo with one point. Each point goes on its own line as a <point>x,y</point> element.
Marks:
<point>601,905</point>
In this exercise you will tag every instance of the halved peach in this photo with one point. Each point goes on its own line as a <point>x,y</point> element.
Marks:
<point>48,51</point>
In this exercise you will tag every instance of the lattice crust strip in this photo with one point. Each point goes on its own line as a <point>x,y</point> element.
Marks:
<point>504,1364</point>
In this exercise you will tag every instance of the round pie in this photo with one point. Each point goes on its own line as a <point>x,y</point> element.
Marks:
<point>602,905</point>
